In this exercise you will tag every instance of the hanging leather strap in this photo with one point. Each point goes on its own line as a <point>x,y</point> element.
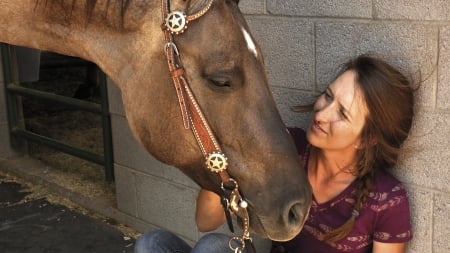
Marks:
<point>193,118</point>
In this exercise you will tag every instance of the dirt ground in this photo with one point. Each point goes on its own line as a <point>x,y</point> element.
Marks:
<point>78,128</point>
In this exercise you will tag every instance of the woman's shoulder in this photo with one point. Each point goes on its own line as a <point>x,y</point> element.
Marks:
<point>389,202</point>
<point>387,187</point>
<point>385,179</point>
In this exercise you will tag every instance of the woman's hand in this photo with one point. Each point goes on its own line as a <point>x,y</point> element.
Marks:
<point>209,214</point>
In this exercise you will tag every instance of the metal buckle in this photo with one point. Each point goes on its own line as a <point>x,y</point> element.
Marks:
<point>238,249</point>
<point>173,46</point>
<point>229,185</point>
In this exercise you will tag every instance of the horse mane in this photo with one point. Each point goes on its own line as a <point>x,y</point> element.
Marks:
<point>109,12</point>
<point>120,15</point>
<point>90,5</point>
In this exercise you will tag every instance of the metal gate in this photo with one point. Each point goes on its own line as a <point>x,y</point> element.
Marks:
<point>13,90</point>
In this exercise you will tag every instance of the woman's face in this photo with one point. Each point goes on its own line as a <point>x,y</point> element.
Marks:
<point>339,116</point>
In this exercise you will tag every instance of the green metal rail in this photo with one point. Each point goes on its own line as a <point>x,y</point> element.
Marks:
<point>13,90</point>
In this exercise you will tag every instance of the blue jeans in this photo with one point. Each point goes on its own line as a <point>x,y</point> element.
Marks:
<point>161,241</point>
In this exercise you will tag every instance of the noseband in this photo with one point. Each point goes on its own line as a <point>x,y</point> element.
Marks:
<point>176,22</point>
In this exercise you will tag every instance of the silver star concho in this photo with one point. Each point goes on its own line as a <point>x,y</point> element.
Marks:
<point>176,22</point>
<point>216,162</point>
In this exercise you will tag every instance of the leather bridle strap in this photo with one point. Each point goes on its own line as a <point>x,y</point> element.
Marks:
<point>175,22</point>
<point>190,110</point>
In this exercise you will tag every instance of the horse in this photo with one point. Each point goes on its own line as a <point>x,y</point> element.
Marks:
<point>225,70</point>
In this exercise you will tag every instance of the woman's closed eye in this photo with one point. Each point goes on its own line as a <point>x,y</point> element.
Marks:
<point>343,113</point>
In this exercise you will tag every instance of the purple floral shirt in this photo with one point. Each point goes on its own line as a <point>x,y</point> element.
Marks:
<point>385,217</point>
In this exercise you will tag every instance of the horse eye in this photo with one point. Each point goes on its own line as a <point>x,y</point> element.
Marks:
<point>221,83</point>
<point>223,80</point>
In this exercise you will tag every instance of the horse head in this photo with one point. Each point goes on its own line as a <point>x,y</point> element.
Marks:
<point>225,69</point>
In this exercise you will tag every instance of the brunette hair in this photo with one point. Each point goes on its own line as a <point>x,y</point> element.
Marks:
<point>389,98</point>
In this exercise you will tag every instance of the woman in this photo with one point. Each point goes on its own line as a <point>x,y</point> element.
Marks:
<point>357,128</point>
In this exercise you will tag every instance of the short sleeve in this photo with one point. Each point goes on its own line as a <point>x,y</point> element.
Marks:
<point>393,223</point>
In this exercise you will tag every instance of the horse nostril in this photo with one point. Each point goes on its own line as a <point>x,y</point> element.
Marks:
<point>292,217</point>
<point>296,216</point>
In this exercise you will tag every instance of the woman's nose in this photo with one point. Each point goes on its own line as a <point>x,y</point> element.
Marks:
<point>325,113</point>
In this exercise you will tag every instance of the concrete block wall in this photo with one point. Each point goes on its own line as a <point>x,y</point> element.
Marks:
<point>303,43</point>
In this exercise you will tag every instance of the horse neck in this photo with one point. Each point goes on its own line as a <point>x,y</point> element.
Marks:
<point>112,34</point>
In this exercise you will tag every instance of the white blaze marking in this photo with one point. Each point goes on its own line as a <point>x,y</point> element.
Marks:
<point>250,44</point>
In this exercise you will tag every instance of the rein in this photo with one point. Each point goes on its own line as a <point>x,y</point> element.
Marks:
<point>175,23</point>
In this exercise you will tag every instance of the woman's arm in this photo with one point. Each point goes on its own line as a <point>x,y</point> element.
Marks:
<point>379,247</point>
<point>209,214</point>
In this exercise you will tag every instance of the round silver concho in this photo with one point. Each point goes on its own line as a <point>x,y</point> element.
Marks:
<point>176,22</point>
<point>216,162</point>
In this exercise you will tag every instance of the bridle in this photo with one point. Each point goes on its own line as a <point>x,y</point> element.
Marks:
<point>176,22</point>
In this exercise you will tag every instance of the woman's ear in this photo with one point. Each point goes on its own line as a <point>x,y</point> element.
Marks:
<point>361,144</point>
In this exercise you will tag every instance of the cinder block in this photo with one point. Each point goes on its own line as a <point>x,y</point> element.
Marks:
<point>321,8</point>
<point>412,9</point>
<point>443,89</point>
<point>441,228</point>
<point>115,99</point>
<point>421,204</point>
<point>287,46</point>
<point>167,205</point>
<point>286,98</point>
<point>252,6</point>
<point>129,153</point>
<point>425,156</point>
<point>125,180</point>
<point>410,47</point>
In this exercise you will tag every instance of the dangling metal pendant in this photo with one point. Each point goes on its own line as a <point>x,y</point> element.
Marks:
<point>216,162</point>
<point>176,22</point>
